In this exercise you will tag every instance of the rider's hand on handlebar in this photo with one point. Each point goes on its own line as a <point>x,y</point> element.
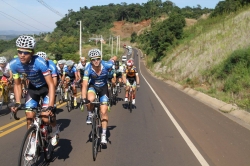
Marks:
<point>85,101</point>
<point>49,111</point>
<point>138,85</point>
<point>15,107</point>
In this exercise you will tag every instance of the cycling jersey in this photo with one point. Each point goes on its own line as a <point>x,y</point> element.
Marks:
<point>35,70</point>
<point>5,71</point>
<point>52,67</point>
<point>98,80</point>
<point>131,73</point>
<point>70,73</point>
<point>81,68</point>
<point>59,70</point>
<point>118,72</point>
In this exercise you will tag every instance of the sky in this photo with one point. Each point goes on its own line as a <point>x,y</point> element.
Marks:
<point>33,15</point>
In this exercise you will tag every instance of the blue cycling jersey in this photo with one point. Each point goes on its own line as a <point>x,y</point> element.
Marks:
<point>35,70</point>
<point>95,79</point>
<point>52,67</point>
<point>70,73</point>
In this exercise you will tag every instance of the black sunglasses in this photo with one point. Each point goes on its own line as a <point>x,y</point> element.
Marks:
<point>23,52</point>
<point>96,59</point>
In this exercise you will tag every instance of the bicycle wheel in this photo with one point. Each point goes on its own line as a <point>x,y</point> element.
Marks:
<point>48,150</point>
<point>69,102</point>
<point>95,136</point>
<point>60,96</point>
<point>25,147</point>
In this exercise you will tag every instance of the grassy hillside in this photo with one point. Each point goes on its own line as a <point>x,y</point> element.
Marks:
<point>212,44</point>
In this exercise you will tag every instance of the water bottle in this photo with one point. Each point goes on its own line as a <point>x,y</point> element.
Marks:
<point>43,130</point>
<point>12,96</point>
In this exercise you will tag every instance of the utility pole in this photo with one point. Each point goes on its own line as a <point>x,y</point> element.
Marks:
<point>80,42</point>
<point>112,46</point>
<point>116,45</point>
<point>101,46</point>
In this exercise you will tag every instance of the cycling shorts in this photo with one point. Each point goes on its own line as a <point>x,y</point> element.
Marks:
<point>131,81</point>
<point>101,91</point>
<point>33,96</point>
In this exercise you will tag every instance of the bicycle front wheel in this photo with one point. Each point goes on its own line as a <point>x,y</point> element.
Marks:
<point>95,136</point>
<point>25,146</point>
<point>69,102</point>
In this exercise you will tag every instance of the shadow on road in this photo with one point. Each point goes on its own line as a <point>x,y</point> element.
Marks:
<point>59,110</point>
<point>63,149</point>
<point>125,106</point>
<point>64,123</point>
<point>4,111</point>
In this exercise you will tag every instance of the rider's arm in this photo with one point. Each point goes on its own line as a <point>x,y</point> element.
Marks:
<point>137,79</point>
<point>11,75</point>
<point>51,86</point>
<point>17,88</point>
<point>124,75</point>
<point>85,83</point>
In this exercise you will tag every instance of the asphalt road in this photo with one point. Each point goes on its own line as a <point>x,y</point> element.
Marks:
<point>171,129</point>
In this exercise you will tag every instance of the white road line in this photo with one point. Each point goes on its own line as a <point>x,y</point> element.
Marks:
<point>197,154</point>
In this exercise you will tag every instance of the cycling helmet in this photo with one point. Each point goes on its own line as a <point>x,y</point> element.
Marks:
<point>60,62</point>
<point>69,63</point>
<point>26,42</point>
<point>3,60</point>
<point>94,53</point>
<point>55,61</point>
<point>130,62</point>
<point>15,56</point>
<point>42,54</point>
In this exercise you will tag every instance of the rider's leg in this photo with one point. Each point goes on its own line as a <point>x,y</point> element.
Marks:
<point>74,94</point>
<point>104,116</point>
<point>91,97</point>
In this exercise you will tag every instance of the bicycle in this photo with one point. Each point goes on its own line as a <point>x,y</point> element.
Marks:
<point>4,94</point>
<point>42,136</point>
<point>96,125</point>
<point>112,94</point>
<point>130,98</point>
<point>70,104</point>
<point>60,94</point>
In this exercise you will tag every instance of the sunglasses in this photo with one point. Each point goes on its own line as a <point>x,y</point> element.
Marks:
<point>96,59</point>
<point>24,52</point>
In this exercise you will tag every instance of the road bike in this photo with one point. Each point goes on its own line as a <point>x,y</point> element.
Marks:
<point>60,94</point>
<point>42,132</point>
<point>112,94</point>
<point>4,94</point>
<point>130,98</point>
<point>70,100</point>
<point>96,125</point>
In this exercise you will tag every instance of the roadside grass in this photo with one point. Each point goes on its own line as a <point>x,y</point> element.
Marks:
<point>210,49</point>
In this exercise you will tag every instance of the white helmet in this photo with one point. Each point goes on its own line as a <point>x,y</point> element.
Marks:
<point>3,60</point>
<point>42,54</point>
<point>26,42</point>
<point>69,63</point>
<point>94,53</point>
<point>61,62</point>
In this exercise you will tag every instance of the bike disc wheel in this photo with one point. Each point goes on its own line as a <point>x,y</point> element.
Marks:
<point>25,147</point>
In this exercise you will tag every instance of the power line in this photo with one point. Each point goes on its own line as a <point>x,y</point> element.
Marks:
<point>26,14</point>
<point>22,22</point>
<point>16,22</point>
<point>50,8</point>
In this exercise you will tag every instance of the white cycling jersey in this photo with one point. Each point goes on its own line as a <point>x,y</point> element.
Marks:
<point>59,70</point>
<point>81,67</point>
<point>5,71</point>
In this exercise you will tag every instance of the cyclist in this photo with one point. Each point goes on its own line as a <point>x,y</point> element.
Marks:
<point>40,85</point>
<point>60,66</point>
<point>5,72</point>
<point>97,72</point>
<point>52,67</point>
<point>130,77</point>
<point>118,71</point>
<point>51,64</point>
<point>70,76</point>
